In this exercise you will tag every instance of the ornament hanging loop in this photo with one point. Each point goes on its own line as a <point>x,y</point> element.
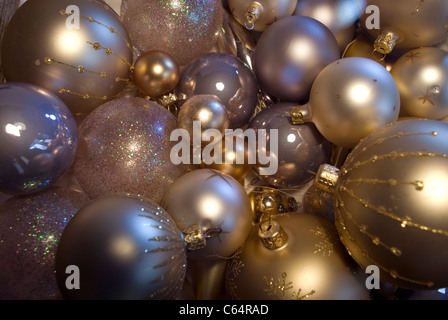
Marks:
<point>252,15</point>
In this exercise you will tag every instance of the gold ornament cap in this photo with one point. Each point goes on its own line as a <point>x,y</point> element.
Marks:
<point>253,13</point>
<point>272,235</point>
<point>327,177</point>
<point>385,42</point>
<point>301,114</point>
<point>194,238</point>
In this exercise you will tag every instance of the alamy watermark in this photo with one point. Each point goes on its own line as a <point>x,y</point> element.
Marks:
<point>190,150</point>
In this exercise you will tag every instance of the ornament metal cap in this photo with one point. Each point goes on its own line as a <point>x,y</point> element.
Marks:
<point>272,235</point>
<point>252,15</point>
<point>327,177</point>
<point>267,202</point>
<point>385,42</point>
<point>301,114</point>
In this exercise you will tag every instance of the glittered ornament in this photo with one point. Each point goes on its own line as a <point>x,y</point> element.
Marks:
<point>155,73</point>
<point>290,54</point>
<point>78,49</point>
<point>293,257</point>
<point>350,98</point>
<point>259,15</point>
<point>405,23</point>
<point>213,211</point>
<point>301,149</point>
<point>339,16</point>
<point>203,113</point>
<point>126,248</point>
<point>422,78</point>
<point>226,77</point>
<point>184,29</point>
<point>38,138</point>
<point>125,147</point>
<point>390,203</point>
<point>30,231</point>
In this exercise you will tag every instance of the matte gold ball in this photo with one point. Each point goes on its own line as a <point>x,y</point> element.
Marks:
<point>156,73</point>
<point>309,263</point>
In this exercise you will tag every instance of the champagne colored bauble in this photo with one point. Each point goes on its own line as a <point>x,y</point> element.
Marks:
<point>301,149</point>
<point>339,16</point>
<point>422,79</point>
<point>126,248</point>
<point>406,23</point>
<point>258,15</point>
<point>155,73</point>
<point>184,29</point>
<point>290,54</point>
<point>83,57</point>
<point>391,205</point>
<point>30,230</point>
<point>212,208</point>
<point>125,147</point>
<point>351,98</point>
<point>38,138</point>
<point>203,112</point>
<point>293,257</point>
<point>226,77</point>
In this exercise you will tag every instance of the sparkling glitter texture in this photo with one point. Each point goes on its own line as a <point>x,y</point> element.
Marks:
<point>185,29</point>
<point>125,147</point>
<point>30,229</point>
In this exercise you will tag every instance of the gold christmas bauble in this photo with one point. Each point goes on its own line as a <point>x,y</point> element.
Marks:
<point>405,23</point>
<point>422,79</point>
<point>294,256</point>
<point>391,204</point>
<point>78,49</point>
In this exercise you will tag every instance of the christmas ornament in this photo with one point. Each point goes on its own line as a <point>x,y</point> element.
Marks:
<point>184,29</point>
<point>30,230</point>
<point>293,257</point>
<point>390,202</point>
<point>78,49</point>
<point>422,79</point>
<point>290,54</point>
<point>267,202</point>
<point>406,24</point>
<point>212,209</point>
<point>203,113</point>
<point>259,15</point>
<point>126,248</point>
<point>125,147</point>
<point>155,73</point>
<point>38,138</point>
<point>301,148</point>
<point>349,99</point>
<point>226,77</point>
<point>208,277</point>
<point>230,162</point>
<point>362,46</point>
<point>339,16</point>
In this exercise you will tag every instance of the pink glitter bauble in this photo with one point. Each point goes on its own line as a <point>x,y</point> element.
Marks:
<point>124,146</point>
<point>185,29</point>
